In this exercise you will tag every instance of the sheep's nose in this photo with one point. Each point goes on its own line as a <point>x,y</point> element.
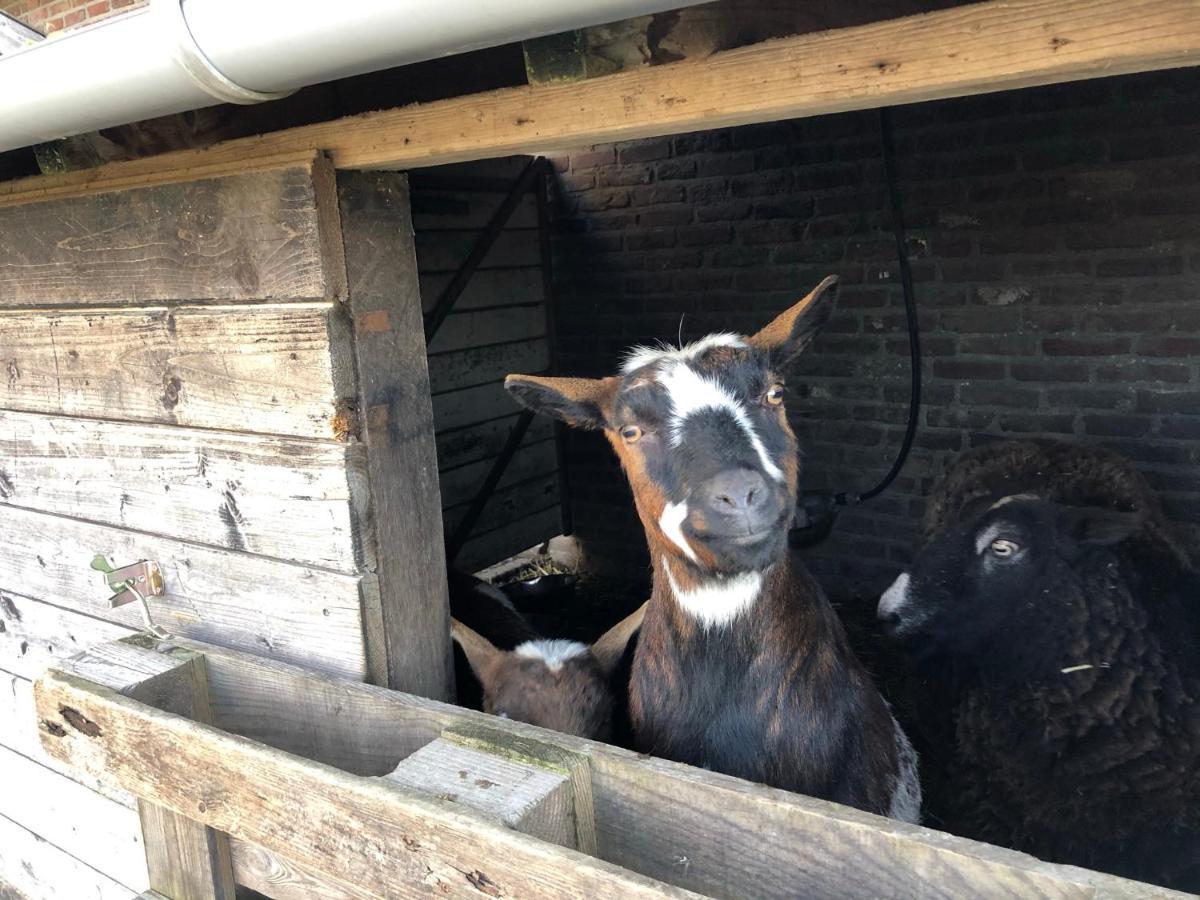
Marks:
<point>738,497</point>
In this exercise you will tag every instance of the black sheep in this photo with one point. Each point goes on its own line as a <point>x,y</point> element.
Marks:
<point>1053,589</point>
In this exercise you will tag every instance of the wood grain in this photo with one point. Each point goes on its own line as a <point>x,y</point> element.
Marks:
<point>469,406</point>
<point>694,828</point>
<point>446,250</point>
<point>510,504</point>
<point>460,485</point>
<point>479,365</point>
<point>478,328</point>
<point>275,369</point>
<point>411,634</point>
<point>33,868</point>
<point>96,831</point>
<point>281,497</point>
<point>458,210</point>
<point>35,634</point>
<point>459,446</point>
<point>260,605</point>
<point>361,831</point>
<point>984,47</point>
<point>251,236</point>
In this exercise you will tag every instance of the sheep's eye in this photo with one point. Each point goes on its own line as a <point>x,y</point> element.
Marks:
<point>1003,548</point>
<point>774,395</point>
<point>631,433</point>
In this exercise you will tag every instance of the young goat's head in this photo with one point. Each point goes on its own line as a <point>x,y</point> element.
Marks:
<point>702,434</point>
<point>563,685</point>
<point>1004,574</point>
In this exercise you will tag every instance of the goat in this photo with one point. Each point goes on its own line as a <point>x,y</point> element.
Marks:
<point>563,685</point>
<point>742,666</point>
<point>1054,594</point>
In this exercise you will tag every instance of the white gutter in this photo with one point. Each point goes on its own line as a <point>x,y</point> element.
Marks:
<point>178,55</point>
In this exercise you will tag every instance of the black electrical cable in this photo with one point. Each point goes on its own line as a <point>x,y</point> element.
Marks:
<point>910,306</point>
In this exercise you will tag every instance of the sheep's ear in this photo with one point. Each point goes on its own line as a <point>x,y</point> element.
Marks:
<point>1098,527</point>
<point>610,646</point>
<point>481,653</point>
<point>794,329</point>
<point>581,402</point>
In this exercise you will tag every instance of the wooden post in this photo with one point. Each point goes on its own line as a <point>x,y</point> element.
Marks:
<point>410,635</point>
<point>186,860</point>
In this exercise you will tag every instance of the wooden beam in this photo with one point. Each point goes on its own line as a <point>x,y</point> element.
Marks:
<point>361,831</point>
<point>412,630</point>
<point>992,46</point>
<point>693,828</point>
<point>250,236</point>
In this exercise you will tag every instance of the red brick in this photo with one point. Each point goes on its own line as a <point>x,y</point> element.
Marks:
<point>1169,346</point>
<point>968,370</point>
<point>1085,346</point>
<point>98,9</point>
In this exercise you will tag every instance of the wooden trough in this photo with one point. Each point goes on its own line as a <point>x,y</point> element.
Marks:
<point>298,784</point>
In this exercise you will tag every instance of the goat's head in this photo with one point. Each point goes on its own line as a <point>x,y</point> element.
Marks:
<point>1003,574</point>
<point>703,437</point>
<point>563,685</point>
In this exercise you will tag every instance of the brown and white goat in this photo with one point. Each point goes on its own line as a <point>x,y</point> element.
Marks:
<point>563,685</point>
<point>742,665</point>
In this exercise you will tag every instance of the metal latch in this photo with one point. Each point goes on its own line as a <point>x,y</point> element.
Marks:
<point>133,582</point>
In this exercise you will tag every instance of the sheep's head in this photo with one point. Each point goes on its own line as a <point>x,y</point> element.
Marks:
<point>703,436</point>
<point>562,685</point>
<point>1004,575</point>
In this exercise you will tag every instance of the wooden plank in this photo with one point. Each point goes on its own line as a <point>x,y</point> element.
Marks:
<point>499,544</point>
<point>991,46</point>
<point>531,459</point>
<point>491,287</point>
<point>345,822</point>
<point>695,828</point>
<point>479,328</point>
<point>459,446</point>
<point>252,236</point>
<point>458,210</point>
<point>514,793</point>
<point>277,369</point>
<point>445,251</point>
<point>510,504</point>
<point>281,497</point>
<point>19,733</point>
<point>479,365</point>
<point>33,868</point>
<point>260,605</point>
<point>279,878</point>
<point>33,634</point>
<point>185,860</point>
<point>411,634</point>
<point>95,830</point>
<point>467,407</point>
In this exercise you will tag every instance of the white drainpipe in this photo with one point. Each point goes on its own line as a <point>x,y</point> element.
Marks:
<point>177,55</point>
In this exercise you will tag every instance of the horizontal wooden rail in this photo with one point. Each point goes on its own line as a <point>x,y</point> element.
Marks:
<point>274,771</point>
<point>992,46</point>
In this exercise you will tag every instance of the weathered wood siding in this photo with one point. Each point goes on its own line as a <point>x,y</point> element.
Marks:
<point>178,383</point>
<point>498,325</point>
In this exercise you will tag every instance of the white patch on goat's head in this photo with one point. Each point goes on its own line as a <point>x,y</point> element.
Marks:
<point>1012,498</point>
<point>637,357</point>
<point>906,789</point>
<point>671,523</point>
<point>690,393</point>
<point>551,652</point>
<point>717,601</point>
<point>895,598</point>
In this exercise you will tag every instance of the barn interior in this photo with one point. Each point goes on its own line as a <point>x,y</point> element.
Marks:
<point>1049,232</point>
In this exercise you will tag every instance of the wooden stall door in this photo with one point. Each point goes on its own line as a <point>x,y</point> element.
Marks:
<point>181,381</point>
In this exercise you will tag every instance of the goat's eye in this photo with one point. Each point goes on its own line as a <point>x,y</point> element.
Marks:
<point>631,433</point>
<point>1003,548</point>
<point>774,395</point>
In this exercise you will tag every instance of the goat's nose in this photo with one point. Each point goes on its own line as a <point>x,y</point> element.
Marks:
<point>736,493</point>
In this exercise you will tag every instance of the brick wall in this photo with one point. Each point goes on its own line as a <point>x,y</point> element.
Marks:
<point>49,16</point>
<point>1054,235</point>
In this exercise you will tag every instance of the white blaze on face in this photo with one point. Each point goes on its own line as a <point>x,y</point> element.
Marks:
<point>644,356</point>
<point>895,598</point>
<point>553,653</point>
<point>717,601</point>
<point>671,523</point>
<point>690,393</point>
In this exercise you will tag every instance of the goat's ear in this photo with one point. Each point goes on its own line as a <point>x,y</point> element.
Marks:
<point>794,329</point>
<point>481,653</point>
<point>581,402</point>
<point>1096,526</point>
<point>610,646</point>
